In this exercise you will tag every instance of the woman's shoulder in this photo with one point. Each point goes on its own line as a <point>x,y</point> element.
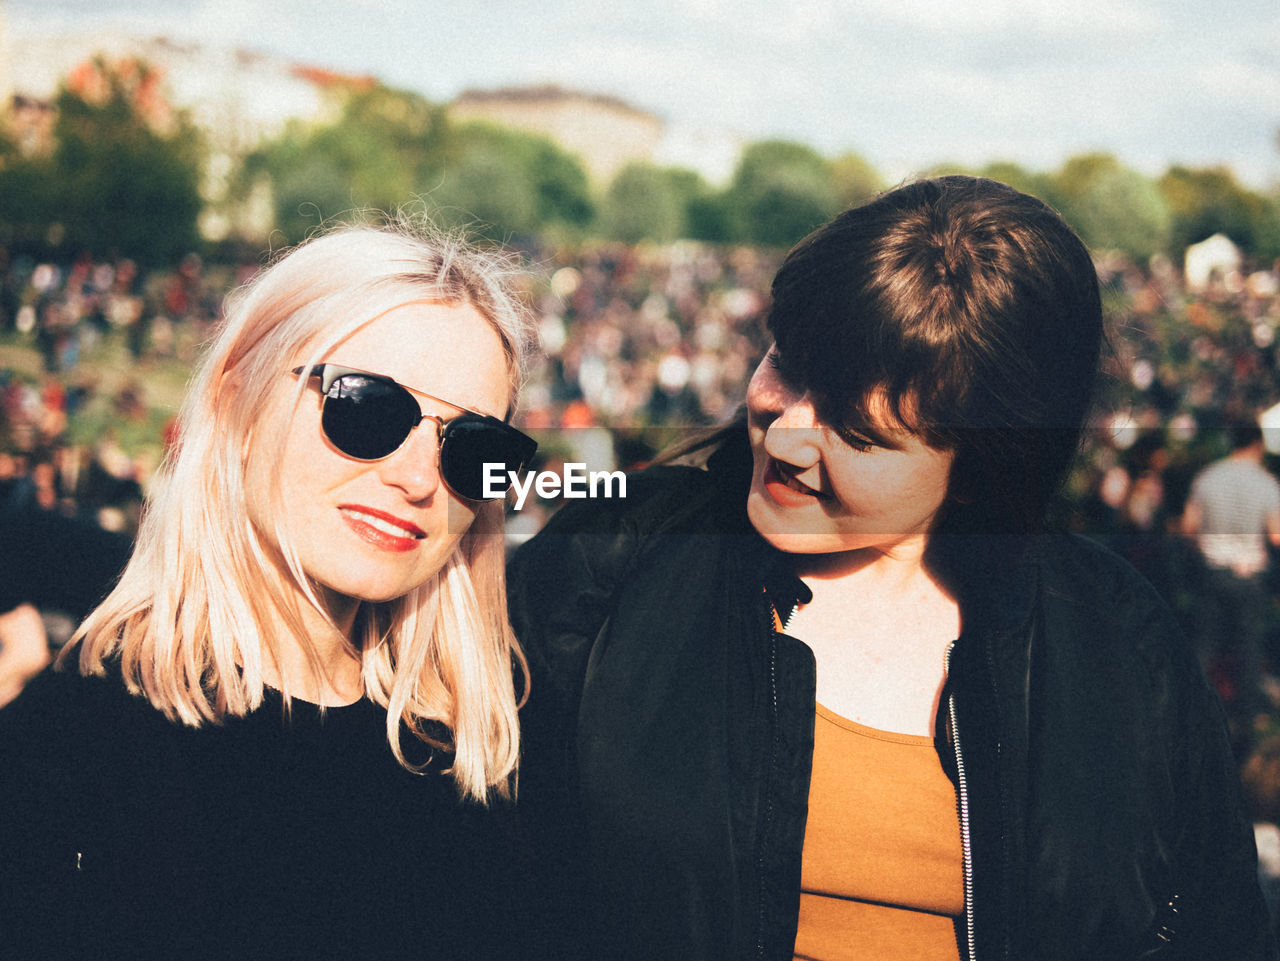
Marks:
<point>63,713</point>
<point>1079,568</point>
<point>1098,602</point>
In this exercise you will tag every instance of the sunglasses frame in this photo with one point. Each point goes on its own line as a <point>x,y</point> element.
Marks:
<point>524,445</point>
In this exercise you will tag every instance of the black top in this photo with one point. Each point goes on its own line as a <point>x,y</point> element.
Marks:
<point>125,835</point>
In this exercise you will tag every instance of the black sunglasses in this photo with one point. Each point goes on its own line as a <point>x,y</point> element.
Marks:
<point>368,416</point>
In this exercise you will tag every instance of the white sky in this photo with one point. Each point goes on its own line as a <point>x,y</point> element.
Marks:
<point>906,83</point>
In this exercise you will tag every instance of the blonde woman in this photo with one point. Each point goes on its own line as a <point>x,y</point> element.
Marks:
<point>281,733</point>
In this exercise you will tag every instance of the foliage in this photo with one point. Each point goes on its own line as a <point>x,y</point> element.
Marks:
<point>855,180</point>
<point>511,182</point>
<point>781,190</point>
<point>642,203</point>
<point>1267,238</point>
<point>1210,201</point>
<point>123,177</point>
<point>390,147</point>
<point>124,171</point>
<point>705,214</point>
<point>127,187</point>
<point>29,205</point>
<point>1112,206</point>
<point>1019,178</point>
<point>384,148</point>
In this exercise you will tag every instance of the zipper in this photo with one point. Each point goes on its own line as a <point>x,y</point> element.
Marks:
<point>962,803</point>
<point>767,827</point>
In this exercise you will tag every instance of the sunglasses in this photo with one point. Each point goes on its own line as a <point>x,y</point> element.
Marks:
<point>369,416</point>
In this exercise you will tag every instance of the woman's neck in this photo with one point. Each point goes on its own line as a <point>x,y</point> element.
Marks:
<point>901,564</point>
<point>879,626</point>
<point>323,666</point>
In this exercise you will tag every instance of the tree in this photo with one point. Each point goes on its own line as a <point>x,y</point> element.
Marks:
<point>126,166</point>
<point>642,203</point>
<point>855,180</point>
<point>1267,241</point>
<point>490,192</point>
<point>1019,178</point>
<point>537,184</point>
<point>1210,201</point>
<point>387,147</point>
<point>1112,206</point>
<point>781,190</point>
<point>29,205</point>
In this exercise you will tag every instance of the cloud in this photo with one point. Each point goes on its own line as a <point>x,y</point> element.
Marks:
<point>985,17</point>
<point>906,82</point>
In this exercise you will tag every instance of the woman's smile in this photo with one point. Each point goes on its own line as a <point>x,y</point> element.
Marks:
<point>784,487</point>
<point>381,529</point>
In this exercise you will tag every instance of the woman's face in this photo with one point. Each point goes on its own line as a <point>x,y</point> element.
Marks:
<point>374,530</point>
<point>816,489</point>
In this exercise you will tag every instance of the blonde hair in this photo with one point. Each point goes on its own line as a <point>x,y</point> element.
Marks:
<point>193,611</point>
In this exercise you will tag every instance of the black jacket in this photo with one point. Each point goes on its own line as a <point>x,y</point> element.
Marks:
<point>669,739</point>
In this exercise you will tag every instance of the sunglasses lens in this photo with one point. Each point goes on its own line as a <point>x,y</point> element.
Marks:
<point>368,418</point>
<point>471,443</point>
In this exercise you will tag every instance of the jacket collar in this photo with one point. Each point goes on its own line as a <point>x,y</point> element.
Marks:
<point>992,576</point>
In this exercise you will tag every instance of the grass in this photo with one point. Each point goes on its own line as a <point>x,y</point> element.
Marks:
<point>108,368</point>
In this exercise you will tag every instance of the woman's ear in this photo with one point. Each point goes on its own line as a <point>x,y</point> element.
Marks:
<point>230,383</point>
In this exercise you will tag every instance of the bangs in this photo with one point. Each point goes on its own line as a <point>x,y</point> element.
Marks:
<point>854,360</point>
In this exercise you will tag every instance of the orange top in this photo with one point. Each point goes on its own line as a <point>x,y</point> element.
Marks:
<point>882,874</point>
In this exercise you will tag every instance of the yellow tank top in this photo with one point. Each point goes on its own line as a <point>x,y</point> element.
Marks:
<point>882,873</point>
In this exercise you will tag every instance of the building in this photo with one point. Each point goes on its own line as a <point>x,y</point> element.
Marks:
<point>604,132</point>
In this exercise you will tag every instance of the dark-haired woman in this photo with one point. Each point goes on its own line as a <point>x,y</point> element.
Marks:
<point>835,693</point>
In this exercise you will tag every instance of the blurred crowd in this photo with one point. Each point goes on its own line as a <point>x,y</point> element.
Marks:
<point>78,431</point>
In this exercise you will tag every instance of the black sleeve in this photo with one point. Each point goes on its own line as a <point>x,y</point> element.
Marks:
<point>562,588</point>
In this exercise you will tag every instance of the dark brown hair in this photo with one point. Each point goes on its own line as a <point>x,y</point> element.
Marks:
<point>976,309</point>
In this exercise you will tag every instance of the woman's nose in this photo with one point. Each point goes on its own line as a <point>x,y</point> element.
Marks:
<point>796,411</point>
<point>415,467</point>
<point>795,433</point>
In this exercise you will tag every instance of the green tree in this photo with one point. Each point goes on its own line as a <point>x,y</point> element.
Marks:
<point>387,147</point>
<point>1112,206</point>
<point>127,171</point>
<point>1267,240</point>
<point>489,191</point>
<point>535,184</point>
<point>855,180</point>
<point>780,191</point>
<point>642,203</point>
<point>29,205</point>
<point>1031,182</point>
<point>1210,201</point>
<point>704,213</point>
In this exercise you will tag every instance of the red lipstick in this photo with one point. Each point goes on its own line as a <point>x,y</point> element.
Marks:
<point>382,530</point>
